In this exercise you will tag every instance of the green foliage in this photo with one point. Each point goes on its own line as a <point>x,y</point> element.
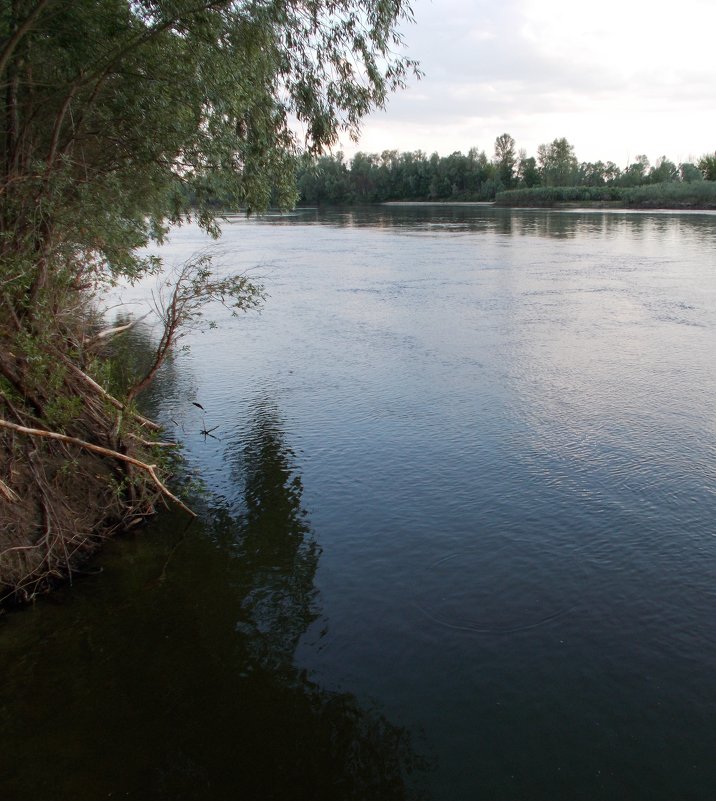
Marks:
<point>689,173</point>
<point>558,164</point>
<point>707,165</point>
<point>61,410</point>
<point>324,180</point>
<point>670,194</point>
<point>119,111</point>
<point>122,117</point>
<point>636,173</point>
<point>663,171</point>
<point>551,195</point>
<point>505,159</point>
<point>527,172</point>
<point>373,178</point>
<point>597,173</point>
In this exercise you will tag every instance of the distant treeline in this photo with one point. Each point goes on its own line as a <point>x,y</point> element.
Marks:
<point>513,178</point>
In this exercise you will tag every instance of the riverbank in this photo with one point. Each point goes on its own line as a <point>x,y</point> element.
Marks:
<point>62,497</point>
<point>644,198</point>
<point>77,465</point>
<point>695,196</point>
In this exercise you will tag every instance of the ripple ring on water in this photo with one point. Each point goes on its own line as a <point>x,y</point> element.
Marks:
<point>499,588</point>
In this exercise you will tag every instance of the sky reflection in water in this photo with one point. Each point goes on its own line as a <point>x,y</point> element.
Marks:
<point>462,488</point>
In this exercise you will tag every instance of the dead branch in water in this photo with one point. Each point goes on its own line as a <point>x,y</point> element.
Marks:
<point>180,301</point>
<point>148,468</point>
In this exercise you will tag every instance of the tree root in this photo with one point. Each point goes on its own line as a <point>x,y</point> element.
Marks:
<point>148,468</point>
<point>103,392</point>
<point>7,493</point>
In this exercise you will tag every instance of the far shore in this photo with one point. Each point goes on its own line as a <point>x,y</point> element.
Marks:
<point>587,205</point>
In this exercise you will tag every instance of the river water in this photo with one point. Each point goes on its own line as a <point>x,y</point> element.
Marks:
<point>457,495</point>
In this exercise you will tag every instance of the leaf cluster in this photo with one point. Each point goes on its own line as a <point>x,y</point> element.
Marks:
<point>120,110</point>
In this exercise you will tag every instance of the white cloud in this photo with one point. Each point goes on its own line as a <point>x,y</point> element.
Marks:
<point>618,78</point>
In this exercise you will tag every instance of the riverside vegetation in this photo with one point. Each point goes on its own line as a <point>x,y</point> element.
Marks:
<point>121,118</point>
<point>510,178</point>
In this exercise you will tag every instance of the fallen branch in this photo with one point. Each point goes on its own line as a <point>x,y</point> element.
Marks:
<point>9,494</point>
<point>150,444</point>
<point>110,332</point>
<point>109,398</point>
<point>148,468</point>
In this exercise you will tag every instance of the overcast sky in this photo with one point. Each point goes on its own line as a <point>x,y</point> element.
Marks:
<point>617,78</point>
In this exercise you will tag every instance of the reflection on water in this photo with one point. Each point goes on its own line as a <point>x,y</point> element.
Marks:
<point>172,675</point>
<point>461,484</point>
<point>432,218</point>
<point>277,544</point>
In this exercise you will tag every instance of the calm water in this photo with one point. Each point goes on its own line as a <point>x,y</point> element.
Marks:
<point>457,535</point>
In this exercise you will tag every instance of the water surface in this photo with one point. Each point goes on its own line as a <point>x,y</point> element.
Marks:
<point>456,535</point>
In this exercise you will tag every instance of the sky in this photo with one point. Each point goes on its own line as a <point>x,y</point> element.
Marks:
<point>617,78</point>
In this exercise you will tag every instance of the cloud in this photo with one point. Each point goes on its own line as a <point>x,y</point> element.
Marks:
<point>620,78</point>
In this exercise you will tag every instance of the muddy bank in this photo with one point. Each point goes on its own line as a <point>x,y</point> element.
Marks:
<point>78,469</point>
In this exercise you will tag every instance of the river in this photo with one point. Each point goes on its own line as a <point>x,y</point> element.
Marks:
<point>456,486</point>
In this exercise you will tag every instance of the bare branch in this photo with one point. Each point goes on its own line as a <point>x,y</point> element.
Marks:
<point>180,303</point>
<point>151,444</point>
<point>109,398</point>
<point>9,494</point>
<point>19,33</point>
<point>80,443</point>
<point>110,332</point>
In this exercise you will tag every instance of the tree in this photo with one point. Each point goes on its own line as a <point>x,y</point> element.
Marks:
<point>478,172</point>
<point>707,165</point>
<point>611,172</point>
<point>558,163</point>
<point>663,171</point>
<point>119,111</point>
<point>414,177</point>
<point>591,173</point>
<point>527,171</point>
<point>690,173</point>
<point>121,117</point>
<point>636,173</point>
<point>364,173</point>
<point>505,159</point>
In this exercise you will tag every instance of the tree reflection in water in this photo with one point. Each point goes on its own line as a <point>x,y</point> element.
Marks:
<point>171,675</point>
<point>277,545</point>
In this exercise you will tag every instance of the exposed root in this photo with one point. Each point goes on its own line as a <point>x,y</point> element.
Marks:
<point>7,493</point>
<point>64,490</point>
<point>149,468</point>
<point>104,394</point>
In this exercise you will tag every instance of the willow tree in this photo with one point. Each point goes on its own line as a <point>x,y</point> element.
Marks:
<point>122,117</point>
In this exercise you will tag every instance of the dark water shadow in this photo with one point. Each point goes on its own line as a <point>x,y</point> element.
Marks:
<point>171,675</point>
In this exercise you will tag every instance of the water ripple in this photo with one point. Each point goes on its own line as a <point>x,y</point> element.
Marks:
<point>501,588</point>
